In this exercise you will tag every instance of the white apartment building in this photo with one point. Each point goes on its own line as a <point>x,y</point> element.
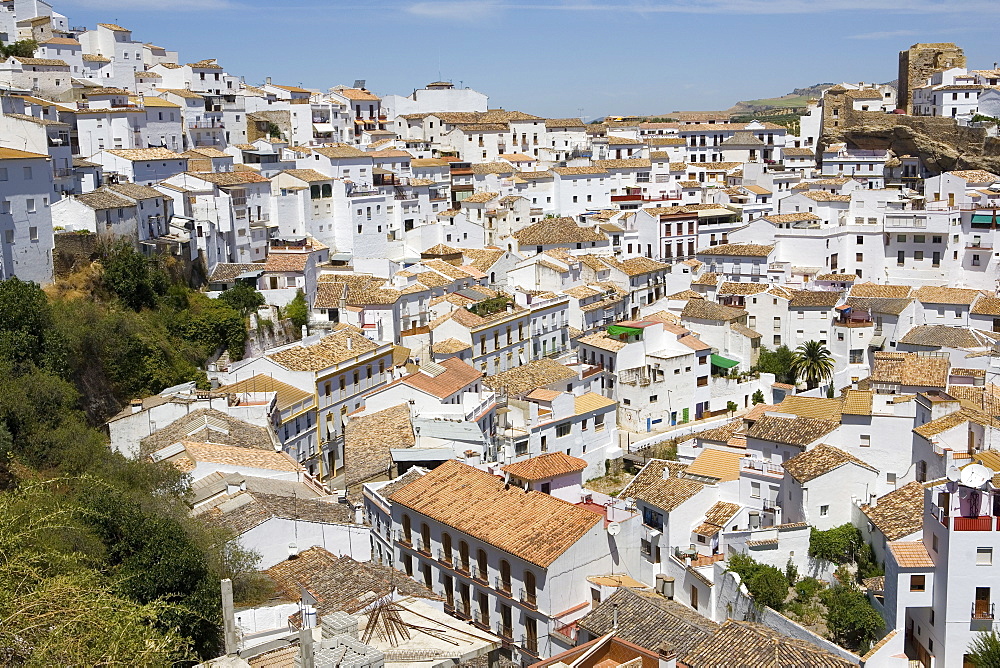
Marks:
<point>26,193</point>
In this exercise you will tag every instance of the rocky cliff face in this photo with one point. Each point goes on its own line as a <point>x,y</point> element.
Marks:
<point>942,144</point>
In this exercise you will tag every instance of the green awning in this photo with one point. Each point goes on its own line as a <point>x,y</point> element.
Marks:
<point>618,330</point>
<point>725,363</point>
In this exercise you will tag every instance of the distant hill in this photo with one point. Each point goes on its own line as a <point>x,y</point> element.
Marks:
<point>797,99</point>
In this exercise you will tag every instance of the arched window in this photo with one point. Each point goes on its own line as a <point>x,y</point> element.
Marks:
<point>529,588</point>
<point>327,190</point>
<point>446,546</point>
<point>504,584</point>
<point>463,555</point>
<point>406,528</point>
<point>481,567</point>
<point>314,192</point>
<point>425,538</point>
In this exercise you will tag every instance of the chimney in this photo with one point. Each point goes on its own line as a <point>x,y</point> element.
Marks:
<point>666,472</point>
<point>228,620</point>
<point>267,81</point>
<point>350,342</point>
<point>614,617</point>
<point>136,405</point>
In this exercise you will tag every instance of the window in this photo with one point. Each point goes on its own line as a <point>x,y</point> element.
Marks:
<point>918,238</point>
<point>859,257</point>
<point>31,205</point>
<point>824,511</point>
<point>860,239</point>
<point>3,173</point>
<point>918,255</point>
<point>918,582</point>
<point>653,397</point>
<point>984,556</point>
<point>866,440</point>
<point>901,238</point>
<point>563,430</point>
<point>754,490</point>
<point>33,233</point>
<point>27,173</point>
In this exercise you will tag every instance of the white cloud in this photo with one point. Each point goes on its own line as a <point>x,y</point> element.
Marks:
<point>883,34</point>
<point>147,6</point>
<point>469,9</point>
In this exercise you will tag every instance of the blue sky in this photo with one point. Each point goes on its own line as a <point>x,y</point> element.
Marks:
<point>554,58</point>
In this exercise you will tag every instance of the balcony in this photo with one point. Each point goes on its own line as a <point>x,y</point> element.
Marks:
<point>506,633</point>
<point>403,538</point>
<point>529,598</point>
<point>529,644</point>
<point>984,523</point>
<point>206,125</point>
<point>480,620</point>
<point>762,467</point>
<point>979,245</point>
<point>461,566</point>
<point>477,573</point>
<point>62,172</point>
<point>444,557</point>
<point>982,610</point>
<point>503,586</point>
<point>423,547</point>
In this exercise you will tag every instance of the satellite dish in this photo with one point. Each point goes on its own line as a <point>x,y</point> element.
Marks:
<point>975,475</point>
<point>954,473</point>
<point>614,529</point>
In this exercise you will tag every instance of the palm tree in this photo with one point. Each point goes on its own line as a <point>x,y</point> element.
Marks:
<point>812,363</point>
<point>984,650</point>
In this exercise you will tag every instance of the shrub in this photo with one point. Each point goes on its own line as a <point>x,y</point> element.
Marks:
<point>851,620</point>
<point>766,584</point>
<point>839,544</point>
<point>791,572</point>
<point>806,588</point>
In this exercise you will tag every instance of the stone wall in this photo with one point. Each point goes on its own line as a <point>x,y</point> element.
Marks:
<point>71,251</point>
<point>919,62</point>
<point>940,142</point>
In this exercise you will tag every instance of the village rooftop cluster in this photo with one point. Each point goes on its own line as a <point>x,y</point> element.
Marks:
<point>508,313</point>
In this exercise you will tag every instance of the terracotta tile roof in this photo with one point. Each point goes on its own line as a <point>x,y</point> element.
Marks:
<point>545,466</point>
<point>880,290</point>
<point>743,330</point>
<point>666,141</point>
<point>580,171</point>
<point>280,262</point>
<point>899,513</point>
<point>327,352</point>
<point>843,278</point>
<point>340,151</point>
<point>955,419</point>
<point>94,58</point>
<point>648,620</point>
<point>368,439</point>
<point>556,231</point>
<point>141,154</point>
<point>307,175</point>
<point>356,93</point>
<point>720,434</point>
<point>734,288</point>
<point>824,196</point>
<point>819,408</point>
<point>798,431</point>
<point>636,266</point>
<point>879,305</point>
<point>234,178</point>
<point>986,305</point>
<point>245,510</point>
<point>910,369</point>
<point>523,379</point>
<point>234,455</point>
<point>944,336</point>
<point>976,176</point>
<point>666,494</point>
<point>716,518</point>
<point>810,298</point>
<point>818,461</point>
<point>457,375</point>
<point>740,250</point>
<point>450,347</point>
<point>944,295</point>
<point>798,152</point>
<point>723,465</point>
<point>227,271</point>
<point>624,163</point>
<point>532,526</point>
<point>858,402</point>
<point>703,309</point>
<point>911,554</point>
<point>103,198</point>
<point>590,402</point>
<point>207,424</point>
<point>708,278</point>
<point>340,583</point>
<point>603,341</point>
<point>746,644</point>
<point>288,395</point>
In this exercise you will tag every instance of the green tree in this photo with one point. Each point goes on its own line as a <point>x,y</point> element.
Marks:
<point>243,299</point>
<point>24,48</point>
<point>984,650</point>
<point>812,363</point>
<point>758,397</point>
<point>841,545</point>
<point>851,620</point>
<point>778,362</point>
<point>131,276</point>
<point>731,407</point>
<point>767,584</point>
<point>298,310</point>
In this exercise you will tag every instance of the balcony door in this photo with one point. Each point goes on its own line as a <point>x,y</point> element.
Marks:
<point>982,609</point>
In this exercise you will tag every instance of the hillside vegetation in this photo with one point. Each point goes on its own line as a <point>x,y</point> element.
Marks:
<point>101,563</point>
